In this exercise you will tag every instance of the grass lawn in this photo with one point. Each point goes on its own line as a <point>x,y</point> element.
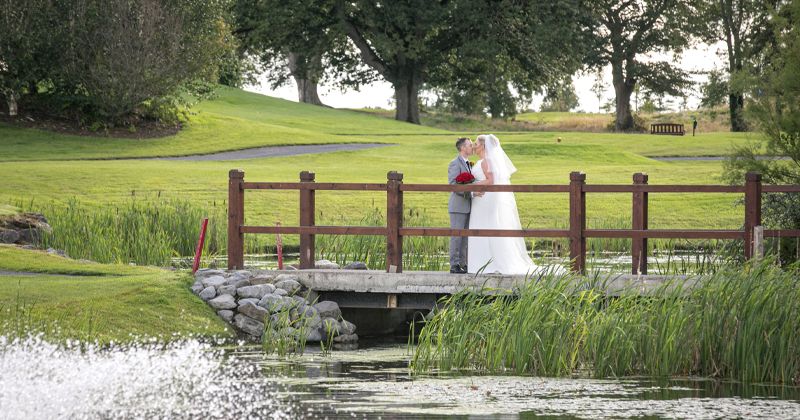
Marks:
<point>111,302</point>
<point>103,302</point>
<point>42,166</point>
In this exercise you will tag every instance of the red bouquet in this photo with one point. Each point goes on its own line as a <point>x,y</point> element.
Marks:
<point>465,178</point>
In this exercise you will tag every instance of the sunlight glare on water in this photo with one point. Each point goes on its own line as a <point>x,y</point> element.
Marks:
<point>189,379</point>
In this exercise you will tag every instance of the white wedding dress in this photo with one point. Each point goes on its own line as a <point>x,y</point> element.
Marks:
<point>498,210</point>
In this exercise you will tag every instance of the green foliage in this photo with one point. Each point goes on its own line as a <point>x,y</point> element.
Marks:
<point>715,90</point>
<point>747,29</point>
<point>117,61</point>
<point>299,39</point>
<point>624,33</point>
<point>777,109</point>
<point>560,97</point>
<point>737,324</point>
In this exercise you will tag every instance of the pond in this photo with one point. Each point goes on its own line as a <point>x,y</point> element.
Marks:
<point>199,380</point>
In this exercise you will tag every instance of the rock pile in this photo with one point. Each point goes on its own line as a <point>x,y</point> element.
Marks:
<point>23,228</point>
<point>250,301</point>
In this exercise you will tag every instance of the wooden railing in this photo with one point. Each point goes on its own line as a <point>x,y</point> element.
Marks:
<point>577,232</point>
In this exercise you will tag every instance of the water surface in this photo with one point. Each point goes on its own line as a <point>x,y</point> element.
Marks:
<point>198,380</point>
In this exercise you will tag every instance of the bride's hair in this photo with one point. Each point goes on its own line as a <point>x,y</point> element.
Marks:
<point>481,139</point>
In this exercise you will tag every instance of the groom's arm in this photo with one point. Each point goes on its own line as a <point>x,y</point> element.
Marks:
<point>452,173</point>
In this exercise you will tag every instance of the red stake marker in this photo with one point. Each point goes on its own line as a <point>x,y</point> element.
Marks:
<point>199,251</point>
<point>279,246</point>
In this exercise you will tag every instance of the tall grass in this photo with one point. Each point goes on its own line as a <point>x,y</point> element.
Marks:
<point>419,252</point>
<point>741,323</point>
<point>140,231</point>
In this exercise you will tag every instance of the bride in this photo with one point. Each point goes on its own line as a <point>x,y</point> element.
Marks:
<point>497,210</point>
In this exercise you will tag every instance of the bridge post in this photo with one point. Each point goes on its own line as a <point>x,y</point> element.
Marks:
<point>577,222</point>
<point>752,210</point>
<point>235,219</point>
<point>394,221</point>
<point>307,210</point>
<point>639,218</point>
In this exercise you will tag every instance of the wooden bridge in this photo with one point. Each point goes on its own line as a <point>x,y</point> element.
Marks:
<point>394,231</point>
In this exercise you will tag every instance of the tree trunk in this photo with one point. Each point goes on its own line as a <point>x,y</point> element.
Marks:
<point>736,107</point>
<point>406,93</point>
<point>623,88</point>
<point>11,100</point>
<point>624,119</point>
<point>304,73</point>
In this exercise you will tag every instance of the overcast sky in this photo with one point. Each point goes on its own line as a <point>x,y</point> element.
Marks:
<point>379,94</point>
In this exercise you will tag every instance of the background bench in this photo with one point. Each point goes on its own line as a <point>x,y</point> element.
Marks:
<point>667,129</point>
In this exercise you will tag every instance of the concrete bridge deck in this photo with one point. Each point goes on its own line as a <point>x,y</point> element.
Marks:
<point>421,289</point>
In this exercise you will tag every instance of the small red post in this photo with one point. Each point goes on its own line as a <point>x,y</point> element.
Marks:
<point>279,246</point>
<point>199,251</point>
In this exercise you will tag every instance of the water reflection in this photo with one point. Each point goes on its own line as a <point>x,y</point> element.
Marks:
<point>196,380</point>
<point>375,382</point>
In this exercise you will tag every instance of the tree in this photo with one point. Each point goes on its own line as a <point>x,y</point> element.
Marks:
<point>627,31</point>
<point>416,42</point>
<point>560,97</point>
<point>121,55</point>
<point>110,61</point>
<point>745,26</point>
<point>777,109</point>
<point>599,87</point>
<point>715,90</point>
<point>300,40</point>
<point>26,51</point>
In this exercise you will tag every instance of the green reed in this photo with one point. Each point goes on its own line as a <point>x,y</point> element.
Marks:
<point>419,252</point>
<point>140,231</point>
<point>739,323</point>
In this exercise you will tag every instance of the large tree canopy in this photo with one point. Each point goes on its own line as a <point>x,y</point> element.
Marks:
<point>413,42</point>
<point>627,33</point>
<point>300,39</point>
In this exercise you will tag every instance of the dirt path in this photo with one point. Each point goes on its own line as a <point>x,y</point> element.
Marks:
<point>275,151</point>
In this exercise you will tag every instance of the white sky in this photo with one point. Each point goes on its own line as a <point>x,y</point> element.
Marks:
<point>379,94</point>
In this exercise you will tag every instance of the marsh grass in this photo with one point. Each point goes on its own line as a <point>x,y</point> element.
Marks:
<point>740,323</point>
<point>419,253</point>
<point>143,230</point>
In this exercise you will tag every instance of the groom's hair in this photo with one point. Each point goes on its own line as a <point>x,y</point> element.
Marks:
<point>460,142</point>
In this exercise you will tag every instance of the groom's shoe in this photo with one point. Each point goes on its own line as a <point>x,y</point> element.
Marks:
<point>463,269</point>
<point>455,269</point>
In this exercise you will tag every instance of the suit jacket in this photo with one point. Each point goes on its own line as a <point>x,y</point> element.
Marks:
<point>460,202</point>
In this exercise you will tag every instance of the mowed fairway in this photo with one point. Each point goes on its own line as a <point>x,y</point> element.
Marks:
<point>98,302</point>
<point>43,166</point>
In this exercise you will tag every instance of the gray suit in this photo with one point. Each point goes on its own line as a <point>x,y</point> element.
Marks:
<point>459,208</point>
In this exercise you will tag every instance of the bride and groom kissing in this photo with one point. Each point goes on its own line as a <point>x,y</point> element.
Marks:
<point>489,210</point>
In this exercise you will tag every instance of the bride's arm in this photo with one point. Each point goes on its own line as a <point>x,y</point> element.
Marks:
<point>489,178</point>
<point>488,173</point>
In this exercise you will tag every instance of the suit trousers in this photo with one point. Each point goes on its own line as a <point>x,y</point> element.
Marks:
<point>458,244</point>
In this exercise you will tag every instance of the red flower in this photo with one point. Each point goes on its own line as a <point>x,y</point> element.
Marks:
<point>465,178</point>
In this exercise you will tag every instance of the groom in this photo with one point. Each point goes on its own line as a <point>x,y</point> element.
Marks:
<point>459,206</point>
